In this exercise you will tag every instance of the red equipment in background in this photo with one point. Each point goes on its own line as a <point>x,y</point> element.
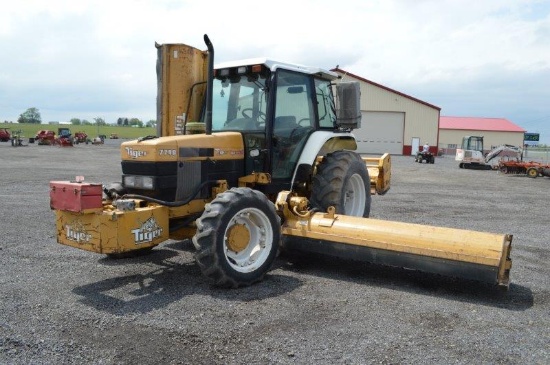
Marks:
<point>45,137</point>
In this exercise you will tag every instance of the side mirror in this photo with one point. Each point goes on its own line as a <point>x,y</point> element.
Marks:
<point>348,105</point>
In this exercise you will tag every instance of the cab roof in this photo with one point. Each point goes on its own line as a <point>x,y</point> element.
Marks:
<point>274,65</point>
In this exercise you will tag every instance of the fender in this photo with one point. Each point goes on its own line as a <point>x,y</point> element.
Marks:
<point>323,142</point>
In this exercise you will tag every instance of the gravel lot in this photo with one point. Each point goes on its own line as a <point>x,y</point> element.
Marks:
<point>63,305</point>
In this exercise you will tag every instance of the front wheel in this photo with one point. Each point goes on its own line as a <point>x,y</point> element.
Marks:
<point>237,238</point>
<point>342,181</point>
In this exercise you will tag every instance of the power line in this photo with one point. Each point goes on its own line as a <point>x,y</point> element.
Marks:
<point>538,119</point>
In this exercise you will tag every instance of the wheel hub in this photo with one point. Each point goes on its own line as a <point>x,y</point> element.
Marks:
<point>354,196</point>
<point>238,237</point>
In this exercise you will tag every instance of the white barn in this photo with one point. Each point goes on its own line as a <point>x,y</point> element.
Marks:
<point>392,121</point>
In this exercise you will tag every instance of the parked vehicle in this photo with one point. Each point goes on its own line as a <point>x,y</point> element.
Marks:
<point>65,138</point>
<point>80,137</point>
<point>532,169</point>
<point>275,167</point>
<point>17,139</point>
<point>424,156</point>
<point>471,154</point>
<point>98,140</point>
<point>5,135</point>
<point>45,137</point>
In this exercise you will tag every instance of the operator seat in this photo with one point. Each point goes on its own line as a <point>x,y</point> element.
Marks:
<point>284,125</point>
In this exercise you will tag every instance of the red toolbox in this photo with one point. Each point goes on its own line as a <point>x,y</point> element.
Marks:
<point>79,197</point>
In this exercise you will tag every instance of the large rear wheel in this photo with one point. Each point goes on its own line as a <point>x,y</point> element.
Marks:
<point>342,181</point>
<point>237,238</point>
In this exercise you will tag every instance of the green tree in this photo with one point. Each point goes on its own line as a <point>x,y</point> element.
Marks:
<point>75,121</point>
<point>86,122</point>
<point>136,121</point>
<point>99,121</point>
<point>31,115</point>
<point>151,124</point>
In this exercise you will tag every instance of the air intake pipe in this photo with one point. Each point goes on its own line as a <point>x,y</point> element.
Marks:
<point>209,85</point>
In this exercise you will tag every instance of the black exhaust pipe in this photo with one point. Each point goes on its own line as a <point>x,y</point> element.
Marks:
<point>209,86</point>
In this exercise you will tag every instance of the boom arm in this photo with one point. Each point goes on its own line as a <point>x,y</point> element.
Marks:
<point>505,147</point>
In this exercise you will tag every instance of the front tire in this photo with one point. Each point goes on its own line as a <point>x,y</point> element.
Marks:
<point>237,238</point>
<point>342,181</point>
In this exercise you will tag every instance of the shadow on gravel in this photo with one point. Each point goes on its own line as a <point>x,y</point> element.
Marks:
<point>517,298</point>
<point>169,282</point>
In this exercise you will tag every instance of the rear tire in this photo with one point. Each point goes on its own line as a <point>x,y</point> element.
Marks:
<point>342,181</point>
<point>237,238</point>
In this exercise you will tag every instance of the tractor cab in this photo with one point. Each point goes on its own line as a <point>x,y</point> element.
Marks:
<point>470,152</point>
<point>277,107</point>
<point>473,143</point>
<point>261,123</point>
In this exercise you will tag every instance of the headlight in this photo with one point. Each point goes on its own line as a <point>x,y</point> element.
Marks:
<point>129,181</point>
<point>147,182</point>
<point>223,72</point>
<point>139,182</point>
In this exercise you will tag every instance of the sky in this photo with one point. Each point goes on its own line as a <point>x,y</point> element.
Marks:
<point>86,59</point>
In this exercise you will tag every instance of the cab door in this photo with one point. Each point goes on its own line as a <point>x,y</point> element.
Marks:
<point>293,121</point>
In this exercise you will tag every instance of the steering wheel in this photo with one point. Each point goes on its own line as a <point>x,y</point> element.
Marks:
<point>297,134</point>
<point>261,115</point>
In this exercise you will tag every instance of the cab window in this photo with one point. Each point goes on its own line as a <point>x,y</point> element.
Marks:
<point>238,104</point>
<point>325,104</point>
<point>293,121</point>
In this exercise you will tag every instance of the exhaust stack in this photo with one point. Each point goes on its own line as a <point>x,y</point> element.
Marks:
<point>209,85</point>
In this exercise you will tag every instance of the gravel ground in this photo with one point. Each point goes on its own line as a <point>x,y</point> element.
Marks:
<point>63,305</point>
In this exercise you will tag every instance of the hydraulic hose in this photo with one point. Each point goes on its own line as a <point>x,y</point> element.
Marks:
<point>170,204</point>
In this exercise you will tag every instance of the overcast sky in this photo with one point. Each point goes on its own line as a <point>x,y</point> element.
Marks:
<point>86,59</point>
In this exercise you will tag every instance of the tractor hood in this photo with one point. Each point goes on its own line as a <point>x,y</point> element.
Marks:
<point>222,146</point>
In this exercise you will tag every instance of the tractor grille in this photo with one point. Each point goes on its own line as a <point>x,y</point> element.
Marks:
<point>189,178</point>
<point>149,168</point>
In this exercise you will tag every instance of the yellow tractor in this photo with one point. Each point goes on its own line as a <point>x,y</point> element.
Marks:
<point>252,157</point>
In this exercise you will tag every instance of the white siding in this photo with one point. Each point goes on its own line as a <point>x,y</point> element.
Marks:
<point>421,120</point>
<point>380,132</point>
<point>450,137</point>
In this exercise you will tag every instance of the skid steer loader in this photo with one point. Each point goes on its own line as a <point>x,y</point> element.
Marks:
<point>254,156</point>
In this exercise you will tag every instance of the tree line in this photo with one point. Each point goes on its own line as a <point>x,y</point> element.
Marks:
<point>32,116</point>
